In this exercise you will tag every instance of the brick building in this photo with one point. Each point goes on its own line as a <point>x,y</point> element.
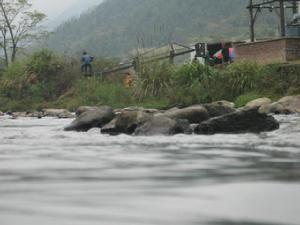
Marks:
<point>281,50</point>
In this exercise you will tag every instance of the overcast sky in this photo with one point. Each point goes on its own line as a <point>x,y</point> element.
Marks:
<point>60,10</point>
<point>53,8</point>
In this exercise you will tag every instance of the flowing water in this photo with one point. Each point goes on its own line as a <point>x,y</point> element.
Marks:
<point>52,177</point>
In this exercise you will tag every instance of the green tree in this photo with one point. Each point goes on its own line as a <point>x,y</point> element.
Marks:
<point>19,26</point>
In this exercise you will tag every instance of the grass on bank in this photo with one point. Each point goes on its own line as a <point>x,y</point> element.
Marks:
<point>46,80</point>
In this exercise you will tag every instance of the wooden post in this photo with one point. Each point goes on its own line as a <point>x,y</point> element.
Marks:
<point>282,18</point>
<point>172,54</point>
<point>252,21</point>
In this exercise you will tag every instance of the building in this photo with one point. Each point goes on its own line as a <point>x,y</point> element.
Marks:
<point>280,50</point>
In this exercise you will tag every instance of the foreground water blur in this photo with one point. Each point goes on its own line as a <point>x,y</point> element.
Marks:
<point>52,177</point>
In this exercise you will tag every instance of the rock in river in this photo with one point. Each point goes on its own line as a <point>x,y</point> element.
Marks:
<point>83,109</point>
<point>126,122</point>
<point>194,114</point>
<point>259,102</point>
<point>91,119</point>
<point>245,120</point>
<point>286,105</point>
<point>60,113</point>
<point>216,109</point>
<point>163,125</point>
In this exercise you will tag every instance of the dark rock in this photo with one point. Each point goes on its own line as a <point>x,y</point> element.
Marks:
<point>162,125</point>
<point>241,121</point>
<point>92,119</point>
<point>194,114</point>
<point>215,109</point>
<point>126,122</point>
<point>83,109</point>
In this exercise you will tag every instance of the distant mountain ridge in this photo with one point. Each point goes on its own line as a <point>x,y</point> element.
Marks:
<point>116,27</point>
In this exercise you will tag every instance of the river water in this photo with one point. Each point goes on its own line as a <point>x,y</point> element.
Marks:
<point>52,177</point>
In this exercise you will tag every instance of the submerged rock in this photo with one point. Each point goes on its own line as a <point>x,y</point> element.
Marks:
<point>194,114</point>
<point>245,120</point>
<point>163,125</point>
<point>126,122</point>
<point>91,119</point>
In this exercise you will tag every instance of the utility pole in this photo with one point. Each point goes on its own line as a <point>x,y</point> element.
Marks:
<point>282,18</point>
<point>252,21</point>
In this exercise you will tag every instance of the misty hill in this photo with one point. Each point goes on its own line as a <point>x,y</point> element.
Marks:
<point>115,27</point>
<point>75,10</point>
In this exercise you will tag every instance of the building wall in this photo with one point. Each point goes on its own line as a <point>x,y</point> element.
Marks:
<point>293,49</point>
<point>262,52</point>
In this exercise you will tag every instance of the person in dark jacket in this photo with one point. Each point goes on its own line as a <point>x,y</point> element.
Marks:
<point>86,66</point>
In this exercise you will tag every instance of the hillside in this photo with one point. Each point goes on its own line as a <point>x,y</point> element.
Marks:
<point>78,7</point>
<point>116,27</point>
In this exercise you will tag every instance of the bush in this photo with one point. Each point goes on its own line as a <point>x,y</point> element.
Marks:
<point>43,76</point>
<point>241,78</point>
<point>49,80</point>
<point>93,91</point>
<point>153,80</point>
<point>245,98</point>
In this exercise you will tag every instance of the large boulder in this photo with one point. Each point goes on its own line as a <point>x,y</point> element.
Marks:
<point>259,102</point>
<point>83,109</point>
<point>163,125</point>
<point>126,122</point>
<point>92,119</point>
<point>194,114</point>
<point>286,105</point>
<point>241,121</point>
<point>216,109</point>
<point>60,113</point>
<point>264,105</point>
<point>1,113</point>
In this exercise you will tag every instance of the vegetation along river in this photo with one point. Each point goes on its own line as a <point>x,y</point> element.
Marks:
<point>52,177</point>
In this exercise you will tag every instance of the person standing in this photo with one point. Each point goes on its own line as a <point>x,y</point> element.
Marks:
<point>86,66</point>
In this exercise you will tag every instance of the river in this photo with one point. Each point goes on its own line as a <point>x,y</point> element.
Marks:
<point>52,177</point>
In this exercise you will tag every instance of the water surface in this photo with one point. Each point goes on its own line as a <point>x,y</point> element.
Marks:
<point>52,177</point>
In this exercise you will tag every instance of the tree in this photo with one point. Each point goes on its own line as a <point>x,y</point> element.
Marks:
<point>19,26</point>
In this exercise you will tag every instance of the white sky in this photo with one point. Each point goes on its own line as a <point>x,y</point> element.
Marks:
<point>53,8</point>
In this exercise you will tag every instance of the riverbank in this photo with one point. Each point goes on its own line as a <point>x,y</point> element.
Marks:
<point>213,118</point>
<point>46,80</point>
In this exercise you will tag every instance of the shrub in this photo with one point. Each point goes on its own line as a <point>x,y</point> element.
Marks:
<point>153,80</point>
<point>245,98</point>
<point>240,78</point>
<point>95,92</point>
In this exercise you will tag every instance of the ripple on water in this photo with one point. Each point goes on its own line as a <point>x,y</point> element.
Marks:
<point>48,176</point>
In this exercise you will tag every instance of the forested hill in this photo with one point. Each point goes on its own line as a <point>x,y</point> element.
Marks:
<point>115,27</point>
